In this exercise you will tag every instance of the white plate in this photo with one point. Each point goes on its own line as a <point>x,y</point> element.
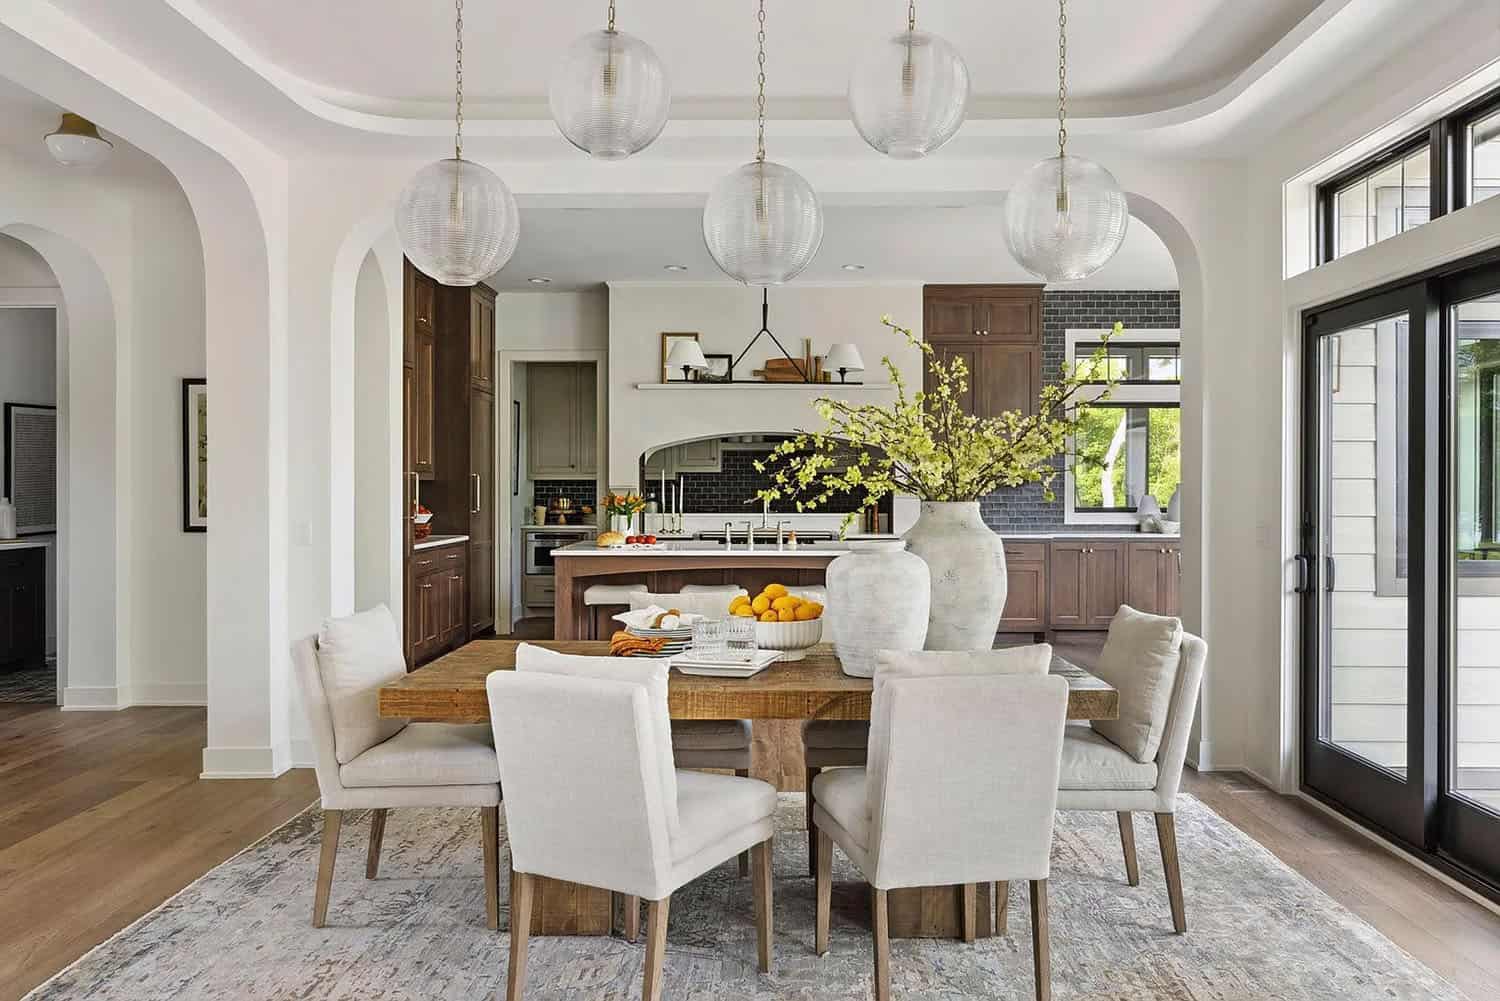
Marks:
<point>685,664</point>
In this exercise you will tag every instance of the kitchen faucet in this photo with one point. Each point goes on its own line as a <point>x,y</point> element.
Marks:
<point>728,535</point>
<point>749,535</point>
<point>781,535</point>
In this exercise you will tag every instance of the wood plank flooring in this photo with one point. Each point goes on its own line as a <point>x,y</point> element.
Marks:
<point>103,818</point>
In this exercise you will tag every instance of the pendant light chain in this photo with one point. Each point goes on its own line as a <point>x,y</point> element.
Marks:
<point>611,16</point>
<point>1062,77</point>
<point>760,97</point>
<point>911,15</point>
<point>458,80</point>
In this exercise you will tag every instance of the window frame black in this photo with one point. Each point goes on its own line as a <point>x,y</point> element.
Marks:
<point>1127,405</point>
<point>1109,350</point>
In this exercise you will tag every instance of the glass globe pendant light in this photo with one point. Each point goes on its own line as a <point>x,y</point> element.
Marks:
<point>456,220</point>
<point>763,223</point>
<point>908,97</point>
<point>1067,216</point>
<point>610,95</point>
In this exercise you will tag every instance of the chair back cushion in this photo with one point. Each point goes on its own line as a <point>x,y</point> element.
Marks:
<point>649,673</point>
<point>1140,659</point>
<point>710,604</point>
<point>356,655</point>
<point>579,766</point>
<point>968,778</point>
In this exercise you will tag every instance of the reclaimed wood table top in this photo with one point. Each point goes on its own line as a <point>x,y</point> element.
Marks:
<point>451,688</point>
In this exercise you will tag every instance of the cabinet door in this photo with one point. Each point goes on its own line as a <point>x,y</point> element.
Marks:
<point>1007,377</point>
<point>482,340</point>
<point>1171,579</point>
<point>481,582</point>
<point>1143,577</point>
<point>1105,583</point>
<point>552,419</point>
<point>481,466</point>
<point>425,371</point>
<point>456,608</point>
<point>972,401</point>
<point>1067,585</point>
<point>948,317</point>
<point>588,421</point>
<point>1011,317</point>
<point>699,457</point>
<point>1026,601</point>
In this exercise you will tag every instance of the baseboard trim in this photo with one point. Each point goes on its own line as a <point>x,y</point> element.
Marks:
<point>156,694</point>
<point>101,699</point>
<point>303,755</point>
<point>241,763</point>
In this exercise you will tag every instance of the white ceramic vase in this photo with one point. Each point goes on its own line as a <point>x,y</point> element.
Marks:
<point>966,560</point>
<point>879,598</point>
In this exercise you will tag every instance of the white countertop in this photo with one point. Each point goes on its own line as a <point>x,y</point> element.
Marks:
<point>702,548</point>
<point>433,541</point>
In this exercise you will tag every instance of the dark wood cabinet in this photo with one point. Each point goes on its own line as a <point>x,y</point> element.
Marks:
<point>997,331</point>
<point>482,339</point>
<point>1026,597</point>
<point>23,607</point>
<point>1086,583</point>
<point>439,601</point>
<point>1153,577</point>
<point>482,513</point>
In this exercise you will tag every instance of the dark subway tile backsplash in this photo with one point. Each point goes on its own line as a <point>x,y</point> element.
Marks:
<point>580,492</point>
<point>733,489</point>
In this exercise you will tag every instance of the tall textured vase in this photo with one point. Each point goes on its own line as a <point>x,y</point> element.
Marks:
<point>878,599</point>
<point>967,563</point>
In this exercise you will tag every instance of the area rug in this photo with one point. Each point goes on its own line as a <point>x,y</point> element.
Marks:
<point>1257,930</point>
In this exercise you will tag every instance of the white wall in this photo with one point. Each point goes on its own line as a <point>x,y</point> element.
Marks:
<point>726,317</point>
<point>372,444</point>
<point>547,321</point>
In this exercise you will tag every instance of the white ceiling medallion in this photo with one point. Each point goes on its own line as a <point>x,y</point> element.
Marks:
<point>763,223</point>
<point>1067,216</point>
<point>610,95</point>
<point>457,221</point>
<point>909,96</point>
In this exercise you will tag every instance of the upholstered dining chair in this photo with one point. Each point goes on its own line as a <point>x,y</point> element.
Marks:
<point>1134,764</point>
<point>365,762</point>
<point>705,743</point>
<point>592,797</point>
<point>958,790</point>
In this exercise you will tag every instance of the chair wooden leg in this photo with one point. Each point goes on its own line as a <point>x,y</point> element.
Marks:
<point>970,926</point>
<point>760,875</point>
<point>632,917</point>
<point>1041,941</point>
<point>332,821</point>
<point>1166,834</point>
<point>489,831</point>
<point>744,773</point>
<point>1127,842</point>
<point>825,891</point>
<point>812,834</point>
<point>656,947</point>
<point>377,835</point>
<point>881,925</point>
<point>1002,906</point>
<point>522,887</point>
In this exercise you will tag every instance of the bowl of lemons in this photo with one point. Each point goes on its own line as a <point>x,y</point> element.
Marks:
<point>784,620</point>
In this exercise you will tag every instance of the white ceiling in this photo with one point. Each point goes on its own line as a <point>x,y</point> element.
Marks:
<point>579,248</point>
<point>374,51</point>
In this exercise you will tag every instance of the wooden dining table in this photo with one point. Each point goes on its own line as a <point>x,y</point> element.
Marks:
<point>451,689</point>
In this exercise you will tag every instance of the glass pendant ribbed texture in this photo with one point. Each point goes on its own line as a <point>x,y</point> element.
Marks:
<point>1065,218</point>
<point>909,96</point>
<point>458,222</point>
<point>610,95</point>
<point>763,223</point>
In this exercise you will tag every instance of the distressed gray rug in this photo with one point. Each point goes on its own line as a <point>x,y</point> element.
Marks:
<point>1258,930</point>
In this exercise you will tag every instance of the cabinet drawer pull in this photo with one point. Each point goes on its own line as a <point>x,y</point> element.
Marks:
<point>427,587</point>
<point>454,556</point>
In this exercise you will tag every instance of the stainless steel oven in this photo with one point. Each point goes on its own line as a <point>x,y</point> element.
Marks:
<point>539,546</point>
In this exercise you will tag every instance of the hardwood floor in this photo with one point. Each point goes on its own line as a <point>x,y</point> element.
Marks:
<point>103,817</point>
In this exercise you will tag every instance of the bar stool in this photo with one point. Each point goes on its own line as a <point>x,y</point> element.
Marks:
<point>605,600</point>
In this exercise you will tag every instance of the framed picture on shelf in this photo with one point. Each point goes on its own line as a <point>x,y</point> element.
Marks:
<point>194,455</point>
<point>668,338</point>
<point>720,369</point>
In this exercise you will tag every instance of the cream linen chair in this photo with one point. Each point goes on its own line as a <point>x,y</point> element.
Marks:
<point>1099,774</point>
<point>958,789</point>
<point>592,797</point>
<point>364,762</point>
<point>602,601</point>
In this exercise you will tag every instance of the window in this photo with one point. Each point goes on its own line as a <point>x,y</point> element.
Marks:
<point>1482,140</point>
<point>1377,199</point>
<point>1123,452</point>
<point>1130,444</point>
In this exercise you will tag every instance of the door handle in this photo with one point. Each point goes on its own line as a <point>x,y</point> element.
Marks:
<point>1304,573</point>
<point>1328,567</point>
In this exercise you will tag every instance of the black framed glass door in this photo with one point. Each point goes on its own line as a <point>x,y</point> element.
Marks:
<point>1400,564</point>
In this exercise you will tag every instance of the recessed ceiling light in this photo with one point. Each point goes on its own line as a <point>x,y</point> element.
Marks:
<point>675,267</point>
<point>540,280</point>
<point>853,267</point>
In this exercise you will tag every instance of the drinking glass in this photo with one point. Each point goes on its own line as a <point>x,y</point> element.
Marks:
<point>709,637</point>
<point>739,637</point>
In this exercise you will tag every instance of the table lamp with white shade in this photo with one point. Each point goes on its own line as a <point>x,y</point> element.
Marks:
<point>845,358</point>
<point>688,356</point>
